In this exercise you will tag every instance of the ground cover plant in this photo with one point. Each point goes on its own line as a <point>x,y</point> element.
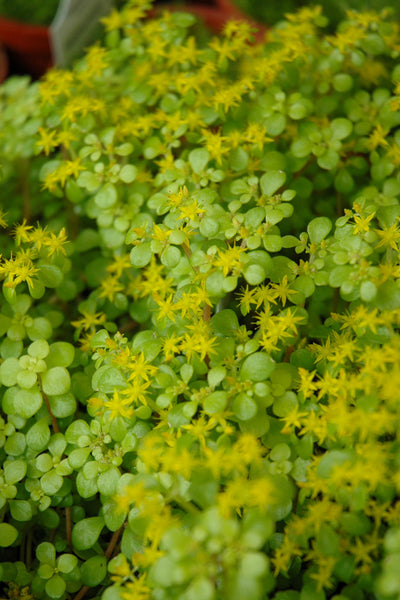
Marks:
<point>199,315</point>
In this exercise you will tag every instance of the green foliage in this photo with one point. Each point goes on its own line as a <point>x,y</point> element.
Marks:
<point>36,11</point>
<point>336,10</point>
<point>199,316</point>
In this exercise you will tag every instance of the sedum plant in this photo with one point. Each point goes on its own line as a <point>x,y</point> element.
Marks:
<point>200,315</point>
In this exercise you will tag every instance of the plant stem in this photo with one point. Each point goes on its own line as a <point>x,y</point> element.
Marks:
<point>82,592</point>
<point>68,525</point>
<point>52,417</point>
<point>113,542</point>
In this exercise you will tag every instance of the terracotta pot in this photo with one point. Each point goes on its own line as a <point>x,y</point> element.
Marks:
<point>28,46</point>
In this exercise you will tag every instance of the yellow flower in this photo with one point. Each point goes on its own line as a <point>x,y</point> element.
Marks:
<point>230,260</point>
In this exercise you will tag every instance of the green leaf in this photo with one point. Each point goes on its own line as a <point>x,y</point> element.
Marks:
<point>9,370</point>
<point>107,379</point>
<point>63,406</point>
<point>244,407</point>
<point>341,128</point>
<point>177,417</point>
<point>8,534</point>
<point>170,256</point>
<point>94,570</point>
<point>67,563</point>
<point>26,379</point>
<point>106,196</point>
<point>51,483</point>
<point>225,322</point>
<point>215,402</point>
<point>254,564</point>
<point>257,367</point>
<point>21,510</point>
<point>113,517</point>
<point>107,482</point>
<point>56,381</point>
<point>40,328</point>
<point>238,159</point>
<point>28,402</point>
<point>141,255</point>
<point>254,274</point>
<point>368,291</point>
<point>89,181</point>
<point>86,487</point>
<point>55,587</point>
<point>198,159</point>
<point>50,275</point>
<point>46,553</point>
<point>85,533</point>
<point>76,430</point>
<point>61,354</point>
<point>14,470</point>
<point>318,229</point>
<point>200,588</point>
<point>329,160</point>
<point>38,436</point>
<point>216,375</point>
<point>39,349</point>
<point>271,181</point>
<point>128,173</point>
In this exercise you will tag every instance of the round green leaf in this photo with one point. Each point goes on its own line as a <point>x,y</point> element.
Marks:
<point>38,436</point>
<point>141,255</point>
<point>51,482</point>
<point>9,370</point>
<point>244,407</point>
<point>27,402</point>
<point>61,354</point>
<point>39,349</point>
<point>107,482</point>
<point>39,329</point>
<point>55,587</point>
<point>107,379</point>
<point>170,256</point>
<point>46,553</point>
<point>56,381</point>
<point>106,196</point>
<point>50,275</point>
<point>271,181</point>
<point>14,470</point>
<point>26,379</point>
<point>257,367</point>
<point>318,229</point>
<point>94,570</point>
<point>128,173</point>
<point>21,510</point>
<point>368,291</point>
<point>329,160</point>
<point>198,159</point>
<point>8,534</point>
<point>341,128</point>
<point>67,563</point>
<point>85,533</point>
<point>63,406</point>
<point>215,402</point>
